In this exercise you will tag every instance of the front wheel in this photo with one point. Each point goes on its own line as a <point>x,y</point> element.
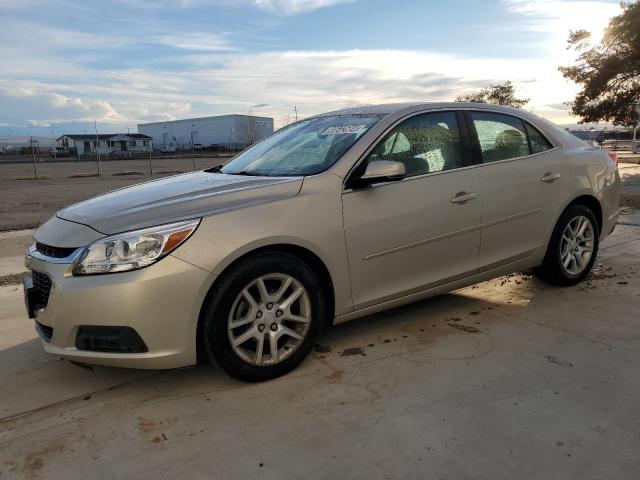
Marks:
<point>263,317</point>
<point>573,248</point>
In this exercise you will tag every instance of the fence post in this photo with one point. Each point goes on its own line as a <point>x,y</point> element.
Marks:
<point>33,152</point>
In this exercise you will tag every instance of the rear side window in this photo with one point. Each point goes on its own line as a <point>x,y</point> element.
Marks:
<point>538,142</point>
<point>501,136</point>
<point>425,143</point>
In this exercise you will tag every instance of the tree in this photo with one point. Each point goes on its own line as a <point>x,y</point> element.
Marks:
<point>609,72</point>
<point>498,93</point>
<point>250,133</point>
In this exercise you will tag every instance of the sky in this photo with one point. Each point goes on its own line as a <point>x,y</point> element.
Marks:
<point>65,64</point>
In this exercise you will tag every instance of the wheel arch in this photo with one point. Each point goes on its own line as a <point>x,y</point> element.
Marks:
<point>303,253</point>
<point>592,203</point>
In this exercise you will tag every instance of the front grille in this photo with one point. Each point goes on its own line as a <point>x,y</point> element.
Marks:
<point>42,285</point>
<point>53,252</point>
<point>45,332</point>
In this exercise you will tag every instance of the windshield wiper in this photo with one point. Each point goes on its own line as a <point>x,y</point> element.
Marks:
<point>215,169</point>
<point>248,173</point>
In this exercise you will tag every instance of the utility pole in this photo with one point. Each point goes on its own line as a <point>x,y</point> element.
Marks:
<point>95,125</point>
<point>295,109</point>
<point>193,146</point>
<point>33,152</point>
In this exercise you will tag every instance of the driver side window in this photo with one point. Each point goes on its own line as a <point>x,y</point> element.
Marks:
<point>425,143</point>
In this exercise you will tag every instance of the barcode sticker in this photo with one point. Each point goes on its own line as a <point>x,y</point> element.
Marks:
<point>344,130</point>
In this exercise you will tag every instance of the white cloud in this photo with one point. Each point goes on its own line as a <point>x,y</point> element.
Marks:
<point>285,7</point>
<point>43,84</point>
<point>195,41</point>
<point>314,81</point>
<point>293,7</point>
<point>555,18</point>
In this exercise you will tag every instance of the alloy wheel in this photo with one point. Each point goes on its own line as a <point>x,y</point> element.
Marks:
<point>576,246</point>
<point>269,319</point>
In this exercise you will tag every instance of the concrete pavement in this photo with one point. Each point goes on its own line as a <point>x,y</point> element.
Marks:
<point>507,379</point>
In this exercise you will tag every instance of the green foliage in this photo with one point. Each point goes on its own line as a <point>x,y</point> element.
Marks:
<point>498,93</point>
<point>608,73</point>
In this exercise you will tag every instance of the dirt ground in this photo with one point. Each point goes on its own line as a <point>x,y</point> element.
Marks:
<point>25,202</point>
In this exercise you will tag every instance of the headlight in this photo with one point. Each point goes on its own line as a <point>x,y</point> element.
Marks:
<point>132,250</point>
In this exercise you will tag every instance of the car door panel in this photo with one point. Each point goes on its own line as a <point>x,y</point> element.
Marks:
<point>518,206</point>
<point>400,240</point>
<point>519,199</point>
<point>409,235</point>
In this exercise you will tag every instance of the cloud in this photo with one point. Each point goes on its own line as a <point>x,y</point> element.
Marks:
<point>555,18</point>
<point>195,41</point>
<point>26,107</point>
<point>314,81</point>
<point>293,7</point>
<point>283,7</point>
<point>121,76</point>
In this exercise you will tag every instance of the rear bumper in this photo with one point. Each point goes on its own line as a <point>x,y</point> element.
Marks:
<point>161,303</point>
<point>610,203</point>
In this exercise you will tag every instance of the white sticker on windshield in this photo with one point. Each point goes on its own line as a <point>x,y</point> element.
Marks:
<point>344,130</point>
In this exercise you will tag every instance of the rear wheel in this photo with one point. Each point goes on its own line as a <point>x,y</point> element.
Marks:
<point>263,317</point>
<point>573,247</point>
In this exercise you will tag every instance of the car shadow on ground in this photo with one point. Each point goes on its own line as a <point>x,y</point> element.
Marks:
<point>399,331</point>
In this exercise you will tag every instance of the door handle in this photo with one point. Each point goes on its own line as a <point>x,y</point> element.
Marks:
<point>550,177</point>
<point>463,197</point>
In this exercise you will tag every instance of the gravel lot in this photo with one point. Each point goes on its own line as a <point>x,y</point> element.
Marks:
<point>27,203</point>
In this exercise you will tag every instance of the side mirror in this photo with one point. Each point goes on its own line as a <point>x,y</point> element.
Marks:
<point>382,171</point>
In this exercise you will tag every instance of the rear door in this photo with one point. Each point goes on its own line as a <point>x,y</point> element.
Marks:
<point>409,235</point>
<point>521,178</point>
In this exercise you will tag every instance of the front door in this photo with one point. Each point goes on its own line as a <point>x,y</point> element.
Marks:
<point>123,145</point>
<point>521,182</point>
<point>413,234</point>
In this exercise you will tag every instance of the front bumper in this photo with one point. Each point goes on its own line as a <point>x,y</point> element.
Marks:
<point>161,303</point>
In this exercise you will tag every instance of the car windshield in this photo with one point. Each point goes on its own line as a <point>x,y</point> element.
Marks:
<point>304,148</point>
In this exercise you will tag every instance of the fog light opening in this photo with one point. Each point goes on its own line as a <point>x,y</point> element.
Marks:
<point>109,339</point>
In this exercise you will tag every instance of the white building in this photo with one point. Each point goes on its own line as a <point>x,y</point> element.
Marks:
<point>111,143</point>
<point>227,131</point>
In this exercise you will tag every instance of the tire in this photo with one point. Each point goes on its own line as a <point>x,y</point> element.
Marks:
<point>553,269</point>
<point>229,305</point>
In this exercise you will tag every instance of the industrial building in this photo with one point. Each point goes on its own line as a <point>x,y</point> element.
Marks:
<point>112,143</point>
<point>226,131</point>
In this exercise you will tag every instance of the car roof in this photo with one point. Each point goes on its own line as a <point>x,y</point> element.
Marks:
<point>398,110</point>
<point>391,108</point>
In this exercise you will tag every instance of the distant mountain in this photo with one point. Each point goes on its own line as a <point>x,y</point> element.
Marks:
<point>23,141</point>
<point>595,126</point>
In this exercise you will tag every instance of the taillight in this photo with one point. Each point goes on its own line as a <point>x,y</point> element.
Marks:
<point>614,157</point>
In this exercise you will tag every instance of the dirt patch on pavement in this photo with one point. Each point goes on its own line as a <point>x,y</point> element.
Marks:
<point>632,201</point>
<point>12,279</point>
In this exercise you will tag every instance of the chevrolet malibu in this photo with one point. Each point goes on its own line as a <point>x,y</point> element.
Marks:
<point>332,218</point>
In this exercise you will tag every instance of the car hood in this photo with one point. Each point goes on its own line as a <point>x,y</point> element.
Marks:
<point>176,198</point>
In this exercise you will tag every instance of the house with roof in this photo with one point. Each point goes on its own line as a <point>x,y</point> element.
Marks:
<point>106,144</point>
